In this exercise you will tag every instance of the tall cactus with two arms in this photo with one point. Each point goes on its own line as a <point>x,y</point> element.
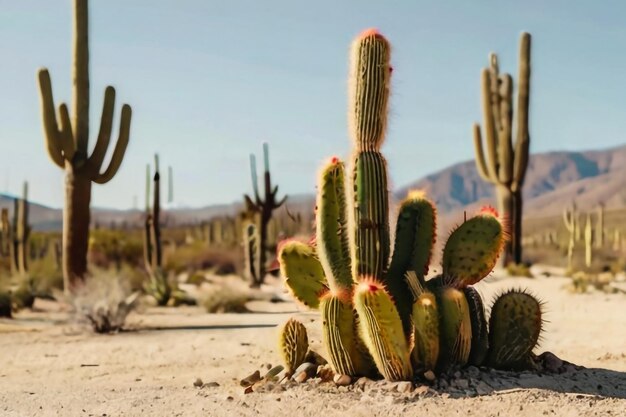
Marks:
<point>381,313</point>
<point>67,142</point>
<point>506,162</point>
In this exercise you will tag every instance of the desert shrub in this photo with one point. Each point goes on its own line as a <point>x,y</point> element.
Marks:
<point>226,298</point>
<point>112,248</point>
<point>196,278</point>
<point>583,282</point>
<point>519,270</point>
<point>105,300</point>
<point>24,295</point>
<point>159,286</point>
<point>45,275</point>
<point>197,256</point>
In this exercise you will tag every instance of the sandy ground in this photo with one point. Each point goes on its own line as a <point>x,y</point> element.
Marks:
<point>49,365</point>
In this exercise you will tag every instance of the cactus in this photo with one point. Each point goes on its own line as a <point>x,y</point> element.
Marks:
<point>251,252</point>
<point>68,147</point>
<point>514,329</point>
<point>599,235</point>
<point>6,237</point>
<point>157,285</point>
<point>293,344</point>
<point>588,241</point>
<point>265,207</point>
<point>506,163</point>
<point>21,232</point>
<point>570,220</point>
<point>403,323</point>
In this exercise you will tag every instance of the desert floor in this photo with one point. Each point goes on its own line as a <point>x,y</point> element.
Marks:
<point>51,365</point>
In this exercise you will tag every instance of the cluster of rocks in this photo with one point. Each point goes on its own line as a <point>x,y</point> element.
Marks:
<point>469,381</point>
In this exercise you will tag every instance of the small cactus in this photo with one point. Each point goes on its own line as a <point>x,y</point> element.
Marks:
<point>293,344</point>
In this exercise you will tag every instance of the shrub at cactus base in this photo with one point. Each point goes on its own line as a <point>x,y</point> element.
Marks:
<point>378,311</point>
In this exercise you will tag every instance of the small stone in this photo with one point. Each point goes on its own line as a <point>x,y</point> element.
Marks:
<point>300,377</point>
<point>404,387</point>
<point>325,373</point>
<point>429,375</point>
<point>342,380</point>
<point>457,374</point>
<point>421,390</point>
<point>462,383</point>
<point>198,383</point>
<point>248,390</point>
<point>229,398</point>
<point>363,382</point>
<point>482,388</point>
<point>251,379</point>
<point>310,369</point>
<point>551,362</point>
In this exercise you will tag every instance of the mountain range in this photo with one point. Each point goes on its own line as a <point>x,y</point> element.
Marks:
<point>553,180</point>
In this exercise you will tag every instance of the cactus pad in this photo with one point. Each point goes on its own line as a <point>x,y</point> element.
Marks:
<point>480,338</point>
<point>345,350</point>
<point>293,344</point>
<point>426,333</point>
<point>514,329</point>
<point>472,249</point>
<point>381,329</point>
<point>455,328</point>
<point>333,246</point>
<point>303,272</point>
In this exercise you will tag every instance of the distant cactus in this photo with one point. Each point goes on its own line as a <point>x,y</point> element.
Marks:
<point>588,241</point>
<point>20,234</point>
<point>571,222</point>
<point>599,234</point>
<point>351,269</point>
<point>265,206</point>
<point>506,162</point>
<point>68,146</point>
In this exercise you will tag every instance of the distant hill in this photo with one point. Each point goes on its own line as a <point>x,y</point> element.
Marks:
<point>553,180</point>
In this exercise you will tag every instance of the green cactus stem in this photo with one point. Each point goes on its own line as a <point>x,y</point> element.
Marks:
<point>345,348</point>
<point>381,330</point>
<point>251,252</point>
<point>455,328</point>
<point>588,242</point>
<point>415,238</point>
<point>480,334</point>
<point>68,147</point>
<point>293,344</point>
<point>303,273</point>
<point>425,319</point>
<point>265,206</point>
<point>473,248</point>
<point>514,329</point>
<point>333,242</point>
<point>506,162</point>
<point>20,233</point>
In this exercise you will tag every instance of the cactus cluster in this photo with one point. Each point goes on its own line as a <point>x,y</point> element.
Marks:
<point>14,235</point>
<point>379,313</point>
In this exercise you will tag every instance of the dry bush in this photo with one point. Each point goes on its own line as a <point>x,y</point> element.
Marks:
<point>519,270</point>
<point>227,297</point>
<point>105,300</point>
<point>197,256</point>
<point>113,248</point>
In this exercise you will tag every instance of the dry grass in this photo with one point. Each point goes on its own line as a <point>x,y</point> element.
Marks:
<point>229,296</point>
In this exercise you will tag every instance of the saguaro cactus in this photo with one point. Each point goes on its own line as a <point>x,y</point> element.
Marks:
<point>506,163</point>
<point>153,253</point>
<point>599,237</point>
<point>264,206</point>
<point>571,222</point>
<point>68,146</point>
<point>588,241</point>
<point>21,232</point>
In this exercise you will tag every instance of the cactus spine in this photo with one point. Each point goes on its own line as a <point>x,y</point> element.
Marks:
<point>67,145</point>
<point>506,163</point>
<point>264,206</point>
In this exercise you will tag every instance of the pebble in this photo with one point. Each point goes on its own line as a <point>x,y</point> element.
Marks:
<point>212,384</point>
<point>429,375</point>
<point>251,379</point>
<point>308,369</point>
<point>462,383</point>
<point>325,373</point>
<point>404,387</point>
<point>198,383</point>
<point>300,377</point>
<point>342,380</point>
<point>363,382</point>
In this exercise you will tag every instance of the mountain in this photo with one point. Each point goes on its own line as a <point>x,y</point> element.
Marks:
<point>553,180</point>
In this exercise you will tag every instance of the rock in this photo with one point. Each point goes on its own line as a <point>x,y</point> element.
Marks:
<point>430,376</point>
<point>273,373</point>
<point>404,387</point>
<point>248,390</point>
<point>482,388</point>
<point>550,361</point>
<point>421,390</point>
<point>212,384</point>
<point>325,373</point>
<point>308,368</point>
<point>251,379</point>
<point>342,380</point>
<point>198,383</point>
<point>363,382</point>
<point>462,383</point>
<point>300,377</point>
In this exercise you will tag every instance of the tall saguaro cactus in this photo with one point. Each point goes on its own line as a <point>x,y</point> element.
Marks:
<point>21,232</point>
<point>506,162</point>
<point>68,146</point>
<point>265,206</point>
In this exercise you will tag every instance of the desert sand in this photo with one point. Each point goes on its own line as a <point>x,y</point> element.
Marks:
<point>50,365</point>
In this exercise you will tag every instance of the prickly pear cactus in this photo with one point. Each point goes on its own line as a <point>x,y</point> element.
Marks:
<point>293,344</point>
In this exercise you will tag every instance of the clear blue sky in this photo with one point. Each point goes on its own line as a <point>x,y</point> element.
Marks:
<point>210,80</point>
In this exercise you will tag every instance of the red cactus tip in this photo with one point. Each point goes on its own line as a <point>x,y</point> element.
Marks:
<point>489,211</point>
<point>369,32</point>
<point>334,160</point>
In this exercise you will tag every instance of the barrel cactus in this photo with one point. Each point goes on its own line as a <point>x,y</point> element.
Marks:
<point>379,312</point>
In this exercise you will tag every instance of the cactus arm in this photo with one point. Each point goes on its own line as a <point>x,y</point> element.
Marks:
<point>455,328</point>
<point>255,180</point>
<point>51,129</point>
<point>65,133</point>
<point>523,94</point>
<point>481,165</point>
<point>381,330</point>
<point>370,73</point>
<point>302,272</point>
<point>120,147</point>
<point>333,243</point>
<point>505,147</point>
<point>472,249</point>
<point>489,125</point>
<point>104,136</point>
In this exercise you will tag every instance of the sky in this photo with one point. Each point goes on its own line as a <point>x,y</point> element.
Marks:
<point>210,81</point>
